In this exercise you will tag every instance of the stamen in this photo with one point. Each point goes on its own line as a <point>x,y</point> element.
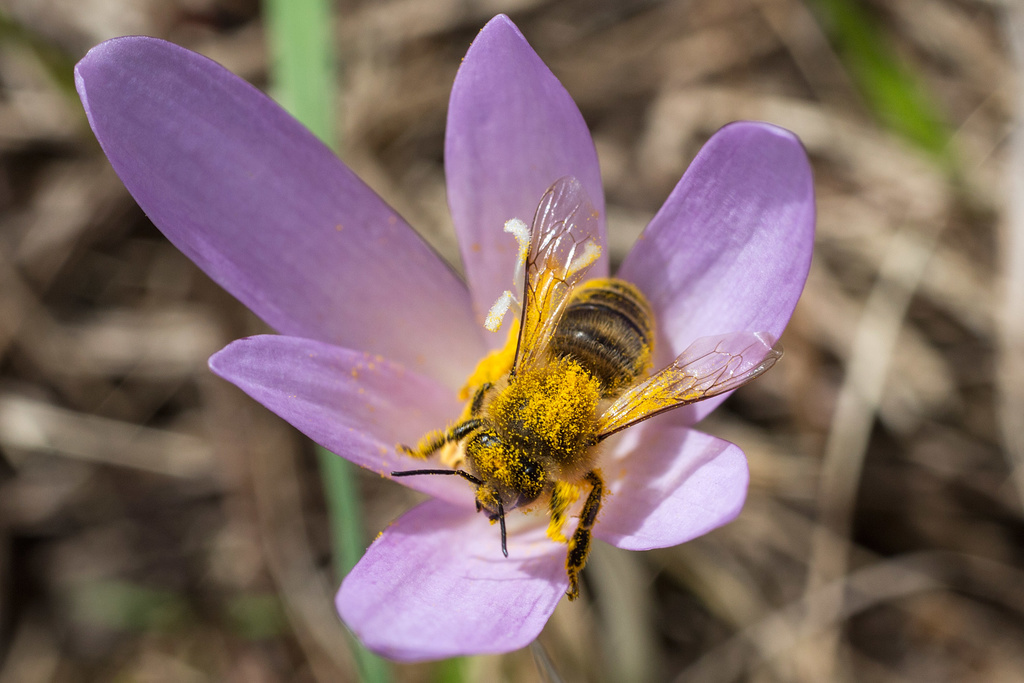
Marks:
<point>521,231</point>
<point>498,311</point>
<point>507,300</point>
<point>591,252</point>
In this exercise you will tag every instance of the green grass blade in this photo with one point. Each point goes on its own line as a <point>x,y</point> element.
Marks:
<point>896,94</point>
<point>127,606</point>
<point>57,64</point>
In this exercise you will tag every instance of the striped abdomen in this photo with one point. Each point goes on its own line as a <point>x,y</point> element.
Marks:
<point>608,328</point>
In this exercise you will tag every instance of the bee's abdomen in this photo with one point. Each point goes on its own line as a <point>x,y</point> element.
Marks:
<point>608,328</point>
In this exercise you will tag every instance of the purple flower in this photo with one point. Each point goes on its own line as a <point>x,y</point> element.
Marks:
<point>377,334</point>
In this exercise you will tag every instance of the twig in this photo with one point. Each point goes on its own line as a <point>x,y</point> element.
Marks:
<point>859,398</point>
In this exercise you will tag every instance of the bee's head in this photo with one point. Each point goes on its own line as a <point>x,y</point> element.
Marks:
<point>509,477</point>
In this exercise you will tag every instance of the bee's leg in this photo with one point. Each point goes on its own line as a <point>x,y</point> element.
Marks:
<point>579,546</point>
<point>562,498</point>
<point>434,440</point>
<point>478,398</point>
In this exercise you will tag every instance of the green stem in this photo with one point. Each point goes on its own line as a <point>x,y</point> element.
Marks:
<point>305,80</point>
<point>304,74</point>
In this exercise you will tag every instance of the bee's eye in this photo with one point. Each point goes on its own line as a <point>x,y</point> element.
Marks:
<point>531,477</point>
<point>527,480</point>
<point>531,469</point>
<point>487,440</point>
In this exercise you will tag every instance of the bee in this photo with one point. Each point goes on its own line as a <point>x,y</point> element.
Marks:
<point>573,373</point>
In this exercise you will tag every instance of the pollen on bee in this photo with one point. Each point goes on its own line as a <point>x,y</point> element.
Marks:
<point>556,403</point>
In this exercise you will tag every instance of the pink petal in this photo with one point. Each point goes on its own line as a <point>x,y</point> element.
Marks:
<point>352,403</point>
<point>269,212</point>
<point>512,131</point>
<point>730,249</point>
<point>435,585</point>
<point>670,485</point>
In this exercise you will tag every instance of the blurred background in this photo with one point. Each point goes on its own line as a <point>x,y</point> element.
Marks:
<point>157,525</point>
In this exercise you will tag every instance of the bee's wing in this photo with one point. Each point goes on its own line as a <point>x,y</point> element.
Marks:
<point>708,367</point>
<point>562,249</point>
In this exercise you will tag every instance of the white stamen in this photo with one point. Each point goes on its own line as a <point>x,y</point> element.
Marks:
<point>591,252</point>
<point>498,311</point>
<point>521,231</point>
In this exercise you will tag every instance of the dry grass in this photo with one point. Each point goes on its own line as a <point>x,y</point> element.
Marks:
<point>146,507</point>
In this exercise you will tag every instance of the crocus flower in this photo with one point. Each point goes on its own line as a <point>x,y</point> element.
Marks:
<point>377,334</point>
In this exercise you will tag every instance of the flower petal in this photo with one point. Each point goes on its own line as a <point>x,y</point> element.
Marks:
<point>512,131</point>
<point>268,211</point>
<point>730,249</point>
<point>435,584</point>
<point>670,485</point>
<point>350,402</point>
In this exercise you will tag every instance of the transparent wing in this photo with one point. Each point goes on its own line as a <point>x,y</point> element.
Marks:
<point>708,367</point>
<point>562,249</point>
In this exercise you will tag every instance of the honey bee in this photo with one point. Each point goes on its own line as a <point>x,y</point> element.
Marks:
<point>572,374</point>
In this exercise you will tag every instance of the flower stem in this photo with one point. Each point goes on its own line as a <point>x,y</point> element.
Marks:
<point>304,73</point>
<point>305,80</point>
<point>347,542</point>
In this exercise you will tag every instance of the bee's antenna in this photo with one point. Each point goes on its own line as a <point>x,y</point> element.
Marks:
<point>470,478</point>
<point>501,521</point>
<point>465,475</point>
<point>499,517</point>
